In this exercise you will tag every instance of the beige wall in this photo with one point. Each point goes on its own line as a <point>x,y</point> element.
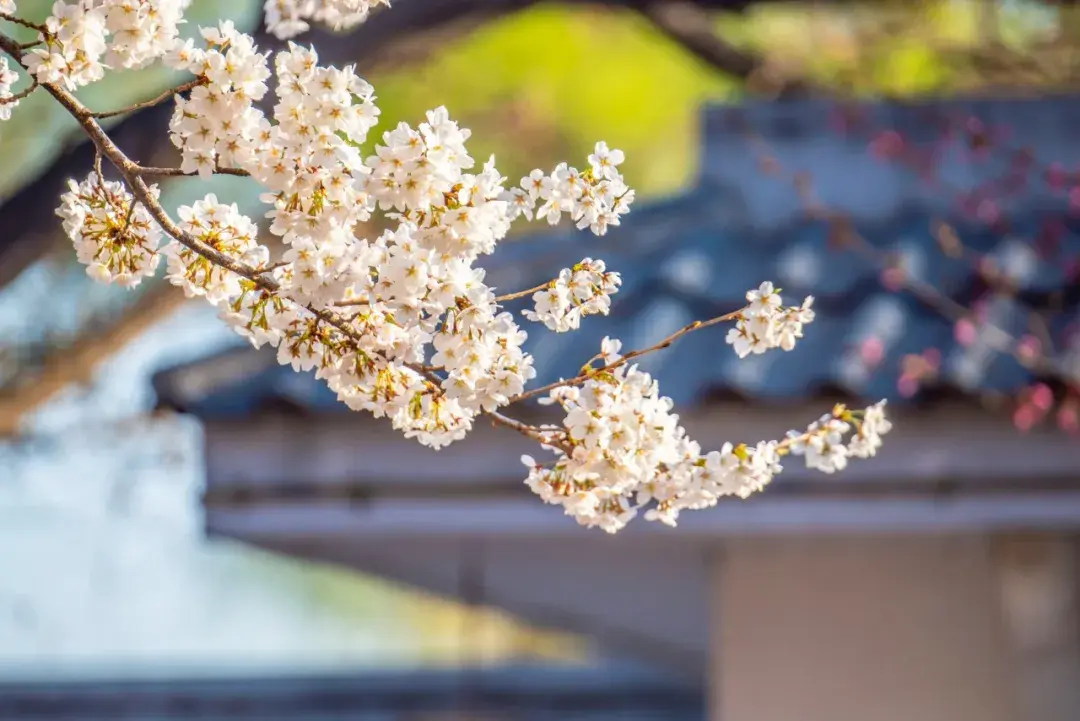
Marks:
<point>1037,576</point>
<point>868,629</point>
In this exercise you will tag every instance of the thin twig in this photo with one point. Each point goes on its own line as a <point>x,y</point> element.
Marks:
<point>177,172</point>
<point>21,94</point>
<point>182,88</point>
<point>696,325</point>
<point>521,293</point>
<point>25,23</point>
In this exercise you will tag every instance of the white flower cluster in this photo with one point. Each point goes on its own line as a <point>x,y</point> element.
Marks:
<point>7,7</point>
<point>621,449</point>
<point>288,18</point>
<point>114,236</point>
<point>823,442</point>
<point>218,125</point>
<point>141,30</point>
<point>400,293</point>
<point>594,199</point>
<point>7,79</point>
<point>765,323</point>
<point>402,325</point>
<point>73,46</point>
<point>583,290</point>
<point>223,228</point>
<point>84,37</point>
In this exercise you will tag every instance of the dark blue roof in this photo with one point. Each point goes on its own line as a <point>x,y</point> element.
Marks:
<point>689,258</point>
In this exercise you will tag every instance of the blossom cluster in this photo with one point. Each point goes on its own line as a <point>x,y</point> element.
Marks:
<point>401,325</point>
<point>224,229</point>
<point>583,290</point>
<point>621,449</point>
<point>82,38</point>
<point>766,323</point>
<point>288,18</point>
<point>823,443</point>
<point>593,199</point>
<point>7,79</point>
<point>141,31</point>
<point>412,288</point>
<point>115,237</point>
<point>217,125</point>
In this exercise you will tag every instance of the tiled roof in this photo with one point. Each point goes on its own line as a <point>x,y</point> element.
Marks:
<point>693,257</point>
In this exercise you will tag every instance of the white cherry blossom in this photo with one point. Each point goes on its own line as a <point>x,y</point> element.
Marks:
<point>223,228</point>
<point>583,290</point>
<point>288,18</point>
<point>7,79</point>
<point>765,323</point>
<point>114,236</point>
<point>72,50</point>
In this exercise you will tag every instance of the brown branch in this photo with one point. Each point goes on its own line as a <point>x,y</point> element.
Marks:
<point>21,94</point>
<point>168,94</point>
<point>521,293</point>
<point>177,172</point>
<point>666,342</point>
<point>130,171</point>
<point>25,23</point>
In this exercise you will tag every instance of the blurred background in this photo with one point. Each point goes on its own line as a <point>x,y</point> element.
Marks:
<point>188,531</point>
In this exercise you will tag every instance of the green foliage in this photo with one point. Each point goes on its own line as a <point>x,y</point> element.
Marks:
<point>543,85</point>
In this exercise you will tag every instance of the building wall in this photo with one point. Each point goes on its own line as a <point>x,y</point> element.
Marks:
<point>866,629</point>
<point>1037,576</point>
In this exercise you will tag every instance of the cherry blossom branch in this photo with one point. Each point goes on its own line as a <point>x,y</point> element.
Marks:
<point>131,173</point>
<point>621,448</point>
<point>167,95</point>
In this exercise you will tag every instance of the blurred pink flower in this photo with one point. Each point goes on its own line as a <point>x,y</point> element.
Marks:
<point>965,332</point>
<point>872,351</point>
